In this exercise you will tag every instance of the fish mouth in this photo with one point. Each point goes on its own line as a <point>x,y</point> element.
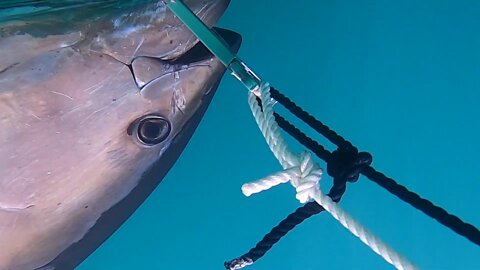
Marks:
<point>200,52</point>
<point>200,55</point>
<point>145,70</point>
<point>149,34</point>
<point>209,12</point>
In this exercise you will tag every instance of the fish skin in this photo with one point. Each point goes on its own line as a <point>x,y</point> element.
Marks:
<point>66,158</point>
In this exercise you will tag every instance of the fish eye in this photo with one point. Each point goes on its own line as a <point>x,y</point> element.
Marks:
<point>152,129</point>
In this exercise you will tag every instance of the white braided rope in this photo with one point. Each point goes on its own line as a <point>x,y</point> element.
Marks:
<point>304,175</point>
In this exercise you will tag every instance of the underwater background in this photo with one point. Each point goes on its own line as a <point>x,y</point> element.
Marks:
<point>400,79</point>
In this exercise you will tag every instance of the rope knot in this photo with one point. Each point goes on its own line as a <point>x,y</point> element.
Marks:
<point>304,175</point>
<point>346,163</point>
<point>307,181</point>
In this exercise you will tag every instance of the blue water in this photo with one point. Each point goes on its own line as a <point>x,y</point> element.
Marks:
<point>400,79</point>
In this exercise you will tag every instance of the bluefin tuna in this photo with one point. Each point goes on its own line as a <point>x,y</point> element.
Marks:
<point>97,101</point>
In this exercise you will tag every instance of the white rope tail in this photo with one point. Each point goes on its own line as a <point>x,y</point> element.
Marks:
<point>304,174</point>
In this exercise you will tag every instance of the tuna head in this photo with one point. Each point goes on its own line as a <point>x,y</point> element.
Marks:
<point>81,124</point>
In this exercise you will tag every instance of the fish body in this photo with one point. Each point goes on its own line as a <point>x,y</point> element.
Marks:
<point>91,118</point>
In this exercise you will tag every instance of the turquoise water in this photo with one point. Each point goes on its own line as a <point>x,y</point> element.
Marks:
<point>400,79</point>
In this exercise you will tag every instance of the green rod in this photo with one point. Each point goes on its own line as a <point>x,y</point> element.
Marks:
<point>215,44</point>
<point>209,38</point>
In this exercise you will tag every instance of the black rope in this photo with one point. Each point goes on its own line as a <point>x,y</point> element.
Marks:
<point>451,221</point>
<point>345,165</point>
<point>318,126</point>
<point>261,248</point>
<point>427,207</point>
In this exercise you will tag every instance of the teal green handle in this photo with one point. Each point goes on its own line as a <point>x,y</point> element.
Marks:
<point>215,44</point>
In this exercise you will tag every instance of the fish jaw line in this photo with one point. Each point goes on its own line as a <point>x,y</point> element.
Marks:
<point>151,31</point>
<point>186,80</point>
